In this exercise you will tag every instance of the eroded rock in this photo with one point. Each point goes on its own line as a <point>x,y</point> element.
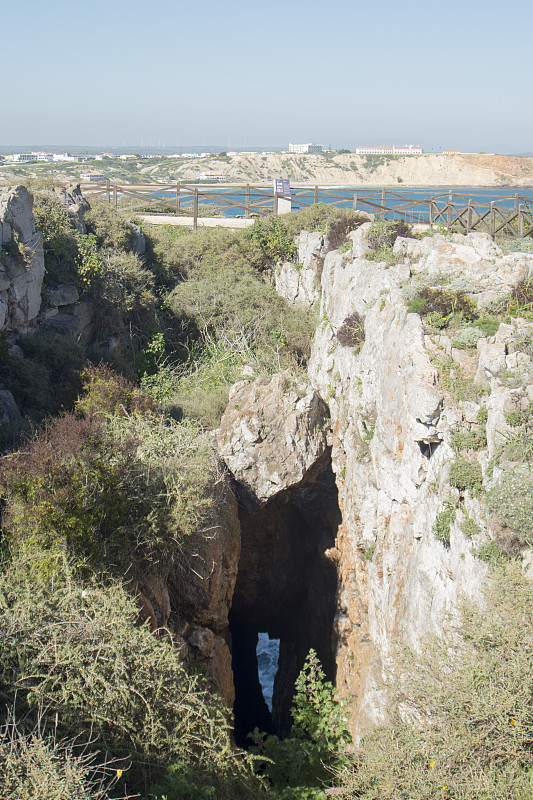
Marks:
<point>273,435</point>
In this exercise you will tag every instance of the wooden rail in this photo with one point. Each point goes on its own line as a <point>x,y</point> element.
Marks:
<point>510,216</point>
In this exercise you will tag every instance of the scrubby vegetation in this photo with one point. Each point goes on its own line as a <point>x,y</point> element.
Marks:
<point>114,480</point>
<point>461,723</point>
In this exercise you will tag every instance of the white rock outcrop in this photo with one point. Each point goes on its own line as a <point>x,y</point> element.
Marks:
<point>21,260</point>
<point>272,435</point>
<point>392,426</point>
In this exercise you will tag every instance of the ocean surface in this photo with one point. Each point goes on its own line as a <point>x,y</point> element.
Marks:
<point>231,201</point>
<point>267,663</point>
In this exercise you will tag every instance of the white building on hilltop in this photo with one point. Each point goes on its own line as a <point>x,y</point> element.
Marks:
<point>305,148</point>
<point>394,150</point>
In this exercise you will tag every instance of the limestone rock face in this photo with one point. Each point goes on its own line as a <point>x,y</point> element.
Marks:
<point>272,435</point>
<point>392,425</point>
<point>299,283</point>
<point>9,412</point>
<point>76,204</point>
<point>21,260</point>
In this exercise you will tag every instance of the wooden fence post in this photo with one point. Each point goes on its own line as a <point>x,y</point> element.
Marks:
<point>492,219</point>
<point>516,202</point>
<point>275,202</point>
<point>355,202</point>
<point>521,221</point>
<point>195,213</point>
<point>247,204</point>
<point>108,189</point>
<point>316,195</point>
<point>469,217</point>
<point>450,206</point>
<point>115,195</point>
<point>178,197</point>
<point>431,212</point>
<point>382,213</point>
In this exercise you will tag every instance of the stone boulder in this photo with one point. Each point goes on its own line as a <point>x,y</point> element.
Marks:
<point>9,412</point>
<point>272,436</point>
<point>62,295</point>
<point>21,260</point>
<point>76,204</point>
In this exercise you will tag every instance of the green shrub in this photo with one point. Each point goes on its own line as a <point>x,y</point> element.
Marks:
<point>444,522</point>
<point>368,552</point>
<point>108,490</point>
<point>467,338</point>
<point>318,739</point>
<point>35,765</point>
<point>519,302</point>
<point>325,218</point>
<point>230,307</point>
<point>461,716</point>
<point>475,439</point>
<point>173,253</point>
<point>511,501</point>
<point>352,332</point>
<point>124,295</point>
<point>491,553</point>
<point>74,655</point>
<point>452,379</point>
<point>273,238</point>
<point>109,226</point>
<point>470,527</point>
<point>440,306</point>
<point>466,476</point>
<point>381,237</point>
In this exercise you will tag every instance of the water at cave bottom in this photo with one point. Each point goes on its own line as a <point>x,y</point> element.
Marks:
<point>267,663</point>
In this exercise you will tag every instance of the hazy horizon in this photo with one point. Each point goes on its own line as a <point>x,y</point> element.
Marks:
<point>230,77</point>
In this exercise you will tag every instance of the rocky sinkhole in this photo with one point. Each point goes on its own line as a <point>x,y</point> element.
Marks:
<point>286,587</point>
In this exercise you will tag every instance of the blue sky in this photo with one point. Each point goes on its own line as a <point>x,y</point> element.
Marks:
<point>456,75</point>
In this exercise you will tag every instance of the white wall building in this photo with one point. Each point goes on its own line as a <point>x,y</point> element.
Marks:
<point>305,148</point>
<point>394,150</point>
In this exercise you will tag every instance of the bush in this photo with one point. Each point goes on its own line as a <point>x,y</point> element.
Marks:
<point>173,254</point>
<point>511,501</point>
<point>466,475</point>
<point>325,218</point>
<point>462,716</point>
<point>229,306</point>
<point>74,654</point>
<point>35,765</point>
<point>319,735</point>
<point>124,295</point>
<point>352,332</point>
<point>381,237</point>
<point>444,522</point>
<point>110,490</point>
<point>110,228</point>
<point>273,238</point>
<point>440,307</point>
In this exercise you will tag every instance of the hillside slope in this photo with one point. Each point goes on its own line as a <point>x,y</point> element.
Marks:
<point>344,169</point>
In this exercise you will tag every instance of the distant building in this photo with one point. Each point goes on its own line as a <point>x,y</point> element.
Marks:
<point>212,176</point>
<point>394,150</point>
<point>305,148</point>
<point>451,152</point>
<point>93,177</point>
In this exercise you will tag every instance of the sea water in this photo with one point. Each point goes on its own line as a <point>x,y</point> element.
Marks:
<point>231,200</point>
<point>267,664</point>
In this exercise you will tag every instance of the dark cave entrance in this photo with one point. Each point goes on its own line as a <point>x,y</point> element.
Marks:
<point>286,587</point>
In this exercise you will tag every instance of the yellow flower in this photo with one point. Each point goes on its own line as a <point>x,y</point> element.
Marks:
<point>444,788</point>
<point>513,722</point>
<point>119,773</point>
<point>432,764</point>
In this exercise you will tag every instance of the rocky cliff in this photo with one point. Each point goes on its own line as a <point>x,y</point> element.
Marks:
<point>399,396</point>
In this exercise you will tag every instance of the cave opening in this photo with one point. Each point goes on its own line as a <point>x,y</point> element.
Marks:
<point>286,588</point>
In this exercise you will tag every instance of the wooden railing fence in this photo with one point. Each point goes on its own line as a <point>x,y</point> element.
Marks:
<point>510,216</point>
